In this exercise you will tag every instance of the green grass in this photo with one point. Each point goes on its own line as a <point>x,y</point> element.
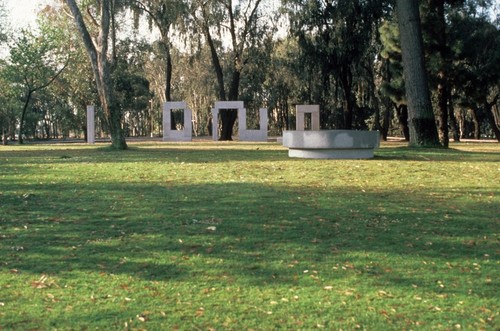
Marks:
<point>234,236</point>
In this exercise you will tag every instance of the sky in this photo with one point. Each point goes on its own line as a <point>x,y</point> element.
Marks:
<point>23,12</point>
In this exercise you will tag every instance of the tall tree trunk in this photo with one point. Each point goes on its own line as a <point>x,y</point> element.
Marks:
<point>476,122</point>
<point>348,103</point>
<point>98,54</point>
<point>386,118</point>
<point>168,71</point>
<point>216,63</point>
<point>402,114</point>
<point>443,109</point>
<point>423,131</point>
<point>453,120</point>
<point>488,108</point>
<point>443,85</point>
<point>168,74</point>
<point>229,116</point>
<point>23,115</point>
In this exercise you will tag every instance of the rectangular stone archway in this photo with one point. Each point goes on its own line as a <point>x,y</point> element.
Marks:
<point>177,135</point>
<point>252,135</point>
<point>215,114</point>
<point>300,117</point>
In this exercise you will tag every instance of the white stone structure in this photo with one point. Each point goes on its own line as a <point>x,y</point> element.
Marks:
<point>328,144</point>
<point>215,114</point>
<point>331,144</point>
<point>300,116</point>
<point>177,135</point>
<point>252,135</point>
<point>90,125</point>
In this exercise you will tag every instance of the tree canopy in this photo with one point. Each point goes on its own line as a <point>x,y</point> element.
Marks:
<point>131,56</point>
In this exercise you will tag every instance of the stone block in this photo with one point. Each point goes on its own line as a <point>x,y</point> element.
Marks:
<point>90,125</point>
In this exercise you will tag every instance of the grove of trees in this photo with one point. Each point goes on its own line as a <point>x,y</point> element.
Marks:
<point>427,71</point>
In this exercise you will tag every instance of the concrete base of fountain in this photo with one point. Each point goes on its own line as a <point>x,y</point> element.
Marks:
<point>331,144</point>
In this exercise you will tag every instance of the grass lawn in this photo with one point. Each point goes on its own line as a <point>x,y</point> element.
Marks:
<point>237,236</point>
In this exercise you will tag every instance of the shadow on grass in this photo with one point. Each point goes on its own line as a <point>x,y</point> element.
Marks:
<point>435,154</point>
<point>213,153</point>
<point>236,231</point>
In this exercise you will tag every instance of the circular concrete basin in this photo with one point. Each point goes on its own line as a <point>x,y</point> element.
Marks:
<point>331,144</point>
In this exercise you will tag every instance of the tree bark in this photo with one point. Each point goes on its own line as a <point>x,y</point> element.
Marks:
<point>23,115</point>
<point>98,55</point>
<point>454,125</point>
<point>476,122</point>
<point>402,114</point>
<point>348,103</point>
<point>228,116</point>
<point>491,116</point>
<point>443,84</point>
<point>423,131</point>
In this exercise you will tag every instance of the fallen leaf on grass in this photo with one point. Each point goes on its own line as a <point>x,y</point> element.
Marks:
<point>200,312</point>
<point>385,294</point>
<point>43,282</point>
<point>143,317</point>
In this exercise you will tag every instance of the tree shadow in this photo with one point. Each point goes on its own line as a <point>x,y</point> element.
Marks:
<point>260,232</point>
<point>435,154</point>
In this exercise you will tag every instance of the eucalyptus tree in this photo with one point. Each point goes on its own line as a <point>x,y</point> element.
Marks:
<point>3,22</point>
<point>393,85</point>
<point>230,30</point>
<point>74,89</point>
<point>285,83</point>
<point>98,32</point>
<point>434,28</point>
<point>335,36</point>
<point>9,103</point>
<point>423,131</point>
<point>35,61</point>
<point>197,85</point>
<point>167,16</point>
<point>132,87</point>
<point>4,113</point>
<point>475,43</point>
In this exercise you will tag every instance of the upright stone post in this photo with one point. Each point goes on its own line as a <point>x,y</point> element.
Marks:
<point>90,125</point>
<point>263,120</point>
<point>215,124</point>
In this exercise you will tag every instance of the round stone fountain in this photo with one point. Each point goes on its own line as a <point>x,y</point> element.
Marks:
<point>331,144</point>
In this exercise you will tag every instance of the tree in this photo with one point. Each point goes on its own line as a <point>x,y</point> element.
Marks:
<point>423,132</point>
<point>3,23</point>
<point>164,14</point>
<point>33,65</point>
<point>4,113</point>
<point>475,43</point>
<point>393,85</point>
<point>131,87</point>
<point>74,89</point>
<point>8,105</point>
<point>241,23</point>
<point>335,36</point>
<point>98,50</point>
